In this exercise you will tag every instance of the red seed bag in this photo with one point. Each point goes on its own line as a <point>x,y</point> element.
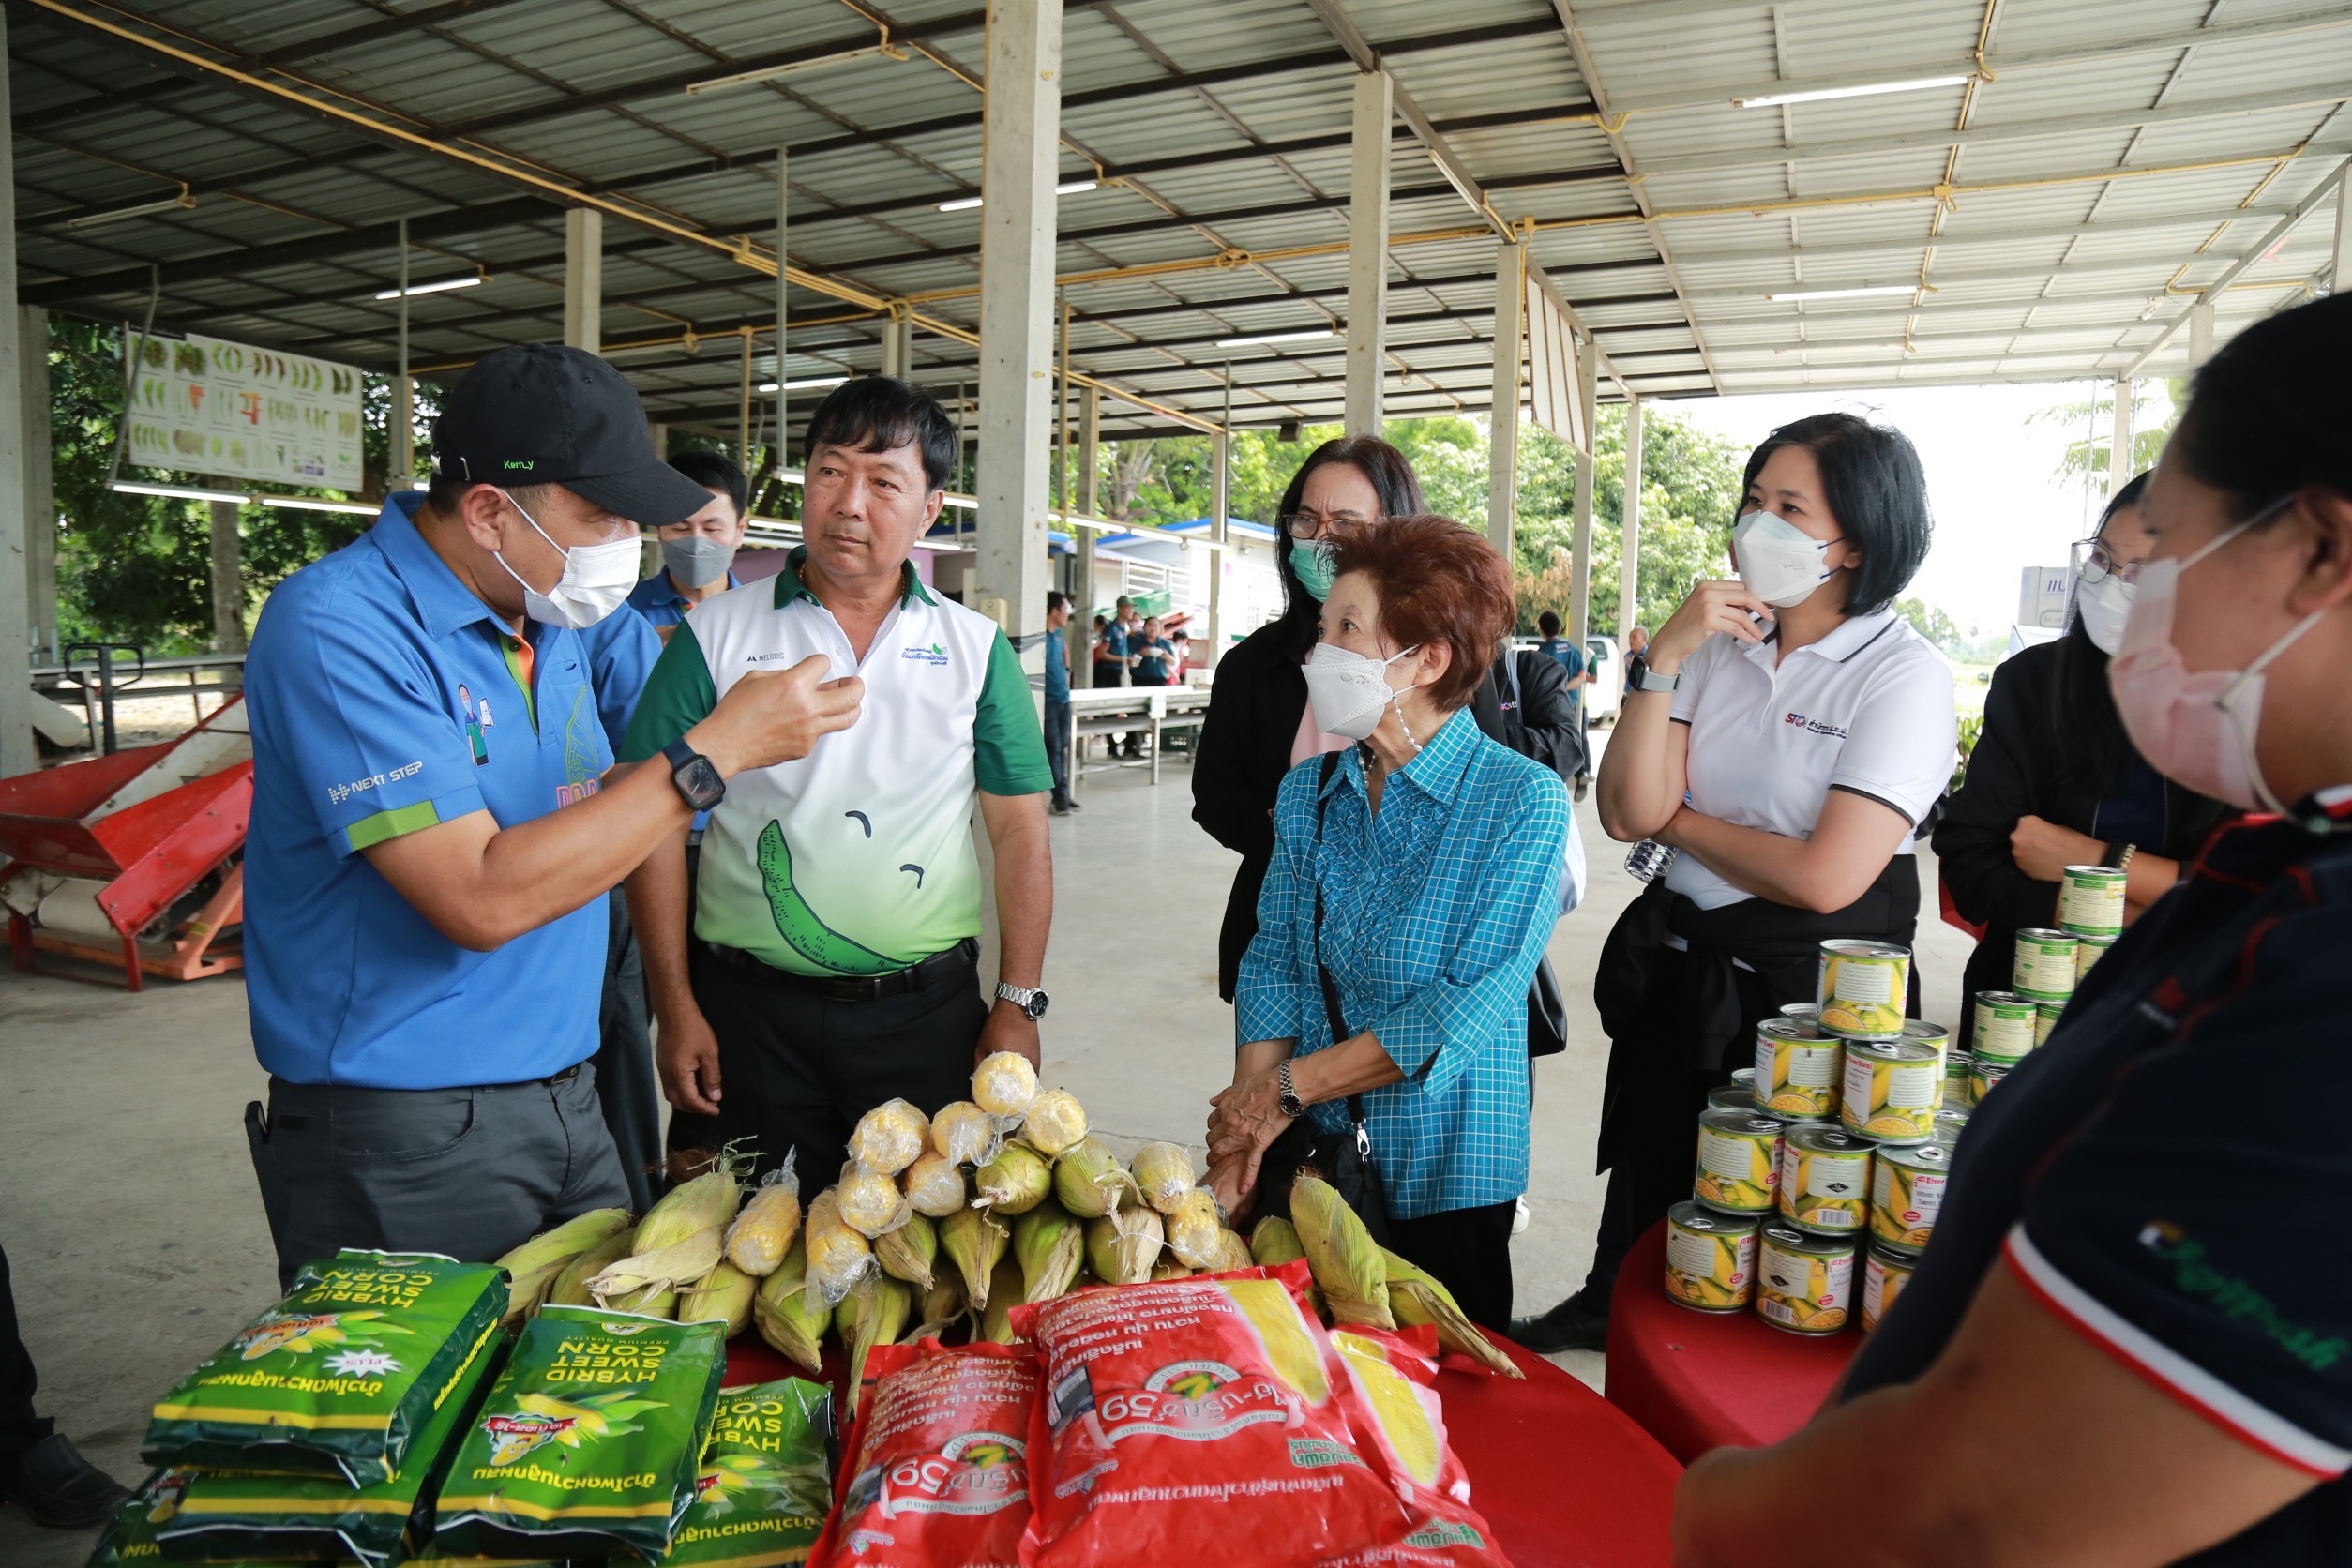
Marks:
<point>1393,1403</point>
<point>1196,1421</point>
<point>936,1474</point>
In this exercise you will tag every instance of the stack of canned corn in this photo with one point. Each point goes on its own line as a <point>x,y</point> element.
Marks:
<point>1831,1152</point>
<point>2048,965</point>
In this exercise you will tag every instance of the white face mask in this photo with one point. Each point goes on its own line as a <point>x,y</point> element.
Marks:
<point>1780,563</point>
<point>2103,607</point>
<point>1349,691</point>
<point>596,580</point>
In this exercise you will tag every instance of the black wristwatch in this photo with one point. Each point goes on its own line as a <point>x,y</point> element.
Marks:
<point>1286,1094</point>
<point>1638,676</point>
<point>695,775</point>
<point>1027,999</point>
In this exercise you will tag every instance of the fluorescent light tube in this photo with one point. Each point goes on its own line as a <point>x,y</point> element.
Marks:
<point>962,204</point>
<point>313,503</point>
<point>1068,188</point>
<point>769,73</point>
<point>439,286</point>
<point>92,220</point>
<point>805,384</point>
<point>1845,293</point>
<point>1307,336</point>
<point>177,492</point>
<point>1872,90</point>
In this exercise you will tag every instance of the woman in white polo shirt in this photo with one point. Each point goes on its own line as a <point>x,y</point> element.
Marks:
<point>1786,737</point>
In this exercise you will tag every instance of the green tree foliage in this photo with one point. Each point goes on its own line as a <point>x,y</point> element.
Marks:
<point>1934,625</point>
<point>2155,410</point>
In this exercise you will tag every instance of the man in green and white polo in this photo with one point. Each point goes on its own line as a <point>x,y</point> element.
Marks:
<point>831,962</point>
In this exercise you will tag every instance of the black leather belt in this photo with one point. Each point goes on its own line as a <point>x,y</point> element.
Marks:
<point>944,965</point>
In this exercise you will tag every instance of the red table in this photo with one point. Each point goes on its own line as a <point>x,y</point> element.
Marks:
<point>1564,1478</point>
<point>1697,1381</point>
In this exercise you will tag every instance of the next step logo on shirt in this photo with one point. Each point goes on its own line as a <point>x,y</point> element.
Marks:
<point>933,655</point>
<point>1814,726</point>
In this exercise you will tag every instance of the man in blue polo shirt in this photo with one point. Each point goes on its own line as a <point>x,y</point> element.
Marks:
<point>698,552</point>
<point>432,829</point>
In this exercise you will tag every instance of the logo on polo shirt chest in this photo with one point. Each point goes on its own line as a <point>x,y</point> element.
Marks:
<point>1815,726</point>
<point>933,655</point>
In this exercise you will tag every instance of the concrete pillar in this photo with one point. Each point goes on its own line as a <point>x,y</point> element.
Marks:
<point>2340,275</point>
<point>227,579</point>
<point>2119,464</point>
<point>1581,540</point>
<point>1367,252</point>
<point>1629,529</point>
<point>1220,505</point>
<point>783,216</point>
<point>661,440</point>
<point>1502,441</point>
<point>1021,125</point>
<point>1082,539</point>
<point>897,347</point>
<point>583,279</point>
<point>2200,331</point>
<point>17,754</point>
<point>41,487</point>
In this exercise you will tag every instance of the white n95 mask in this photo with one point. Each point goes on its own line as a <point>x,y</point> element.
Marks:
<point>1780,563</point>
<point>2104,607</point>
<point>596,580</point>
<point>1349,691</point>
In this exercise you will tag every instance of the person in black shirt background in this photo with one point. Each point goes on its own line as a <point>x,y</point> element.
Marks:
<point>2052,781</point>
<point>2129,1339</point>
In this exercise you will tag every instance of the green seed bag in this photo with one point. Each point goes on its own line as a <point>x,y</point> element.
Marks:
<point>340,1377</point>
<point>588,1442</point>
<point>766,1480</point>
<point>238,1513</point>
<point>130,1535</point>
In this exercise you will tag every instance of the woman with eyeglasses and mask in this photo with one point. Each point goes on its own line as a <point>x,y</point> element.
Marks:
<point>2052,781</point>
<point>2129,1339</point>
<point>1258,724</point>
<point>1782,739</point>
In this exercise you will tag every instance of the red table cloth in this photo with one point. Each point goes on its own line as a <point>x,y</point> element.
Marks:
<point>1564,1478</point>
<point>1697,1381</point>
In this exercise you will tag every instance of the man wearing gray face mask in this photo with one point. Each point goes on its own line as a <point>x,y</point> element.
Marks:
<point>698,553</point>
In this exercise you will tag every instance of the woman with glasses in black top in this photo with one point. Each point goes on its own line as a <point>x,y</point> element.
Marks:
<point>1257,725</point>
<point>2053,782</point>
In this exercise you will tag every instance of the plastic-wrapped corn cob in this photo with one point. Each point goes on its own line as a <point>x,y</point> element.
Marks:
<point>964,1134</point>
<point>1163,1173</point>
<point>1054,1122</point>
<point>1196,1231</point>
<point>770,1218</point>
<point>871,1201</point>
<point>934,1186</point>
<point>890,1138</point>
<point>839,1255</point>
<point>1005,1084</point>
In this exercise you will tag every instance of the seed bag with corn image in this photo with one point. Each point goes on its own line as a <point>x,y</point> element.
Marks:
<point>341,1376</point>
<point>588,1441</point>
<point>765,1483</point>
<point>1392,1404</point>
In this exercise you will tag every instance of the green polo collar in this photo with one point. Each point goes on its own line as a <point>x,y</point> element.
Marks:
<point>790,587</point>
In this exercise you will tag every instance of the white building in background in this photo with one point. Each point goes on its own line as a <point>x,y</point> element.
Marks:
<point>1143,566</point>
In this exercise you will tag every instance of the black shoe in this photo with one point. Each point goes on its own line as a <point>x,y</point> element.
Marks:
<point>1584,785</point>
<point>1060,807</point>
<point>1073,805</point>
<point>61,1489</point>
<point>1570,1326</point>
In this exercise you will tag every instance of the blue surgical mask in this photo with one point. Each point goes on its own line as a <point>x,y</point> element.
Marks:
<point>1311,559</point>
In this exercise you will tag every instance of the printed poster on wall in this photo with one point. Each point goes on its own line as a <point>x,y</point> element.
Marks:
<point>242,413</point>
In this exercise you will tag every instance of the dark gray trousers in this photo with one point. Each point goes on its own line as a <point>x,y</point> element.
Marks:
<point>626,1084</point>
<point>470,1172</point>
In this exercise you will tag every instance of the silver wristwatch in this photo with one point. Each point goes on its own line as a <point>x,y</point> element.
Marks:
<point>1286,1094</point>
<point>1029,1000</point>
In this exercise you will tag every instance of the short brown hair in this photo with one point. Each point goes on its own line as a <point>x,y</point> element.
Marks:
<point>1438,582</point>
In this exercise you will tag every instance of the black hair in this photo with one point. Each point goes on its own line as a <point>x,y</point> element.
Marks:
<point>1871,481</point>
<point>716,470</point>
<point>879,413</point>
<point>1391,473</point>
<point>1055,599</point>
<point>1101,619</point>
<point>1548,623</point>
<point>2267,415</point>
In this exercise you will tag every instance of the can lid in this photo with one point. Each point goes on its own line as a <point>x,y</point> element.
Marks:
<point>2003,998</point>
<point>1789,1239</point>
<point>1743,1075</point>
<point>1894,1254</point>
<point>1742,1123</point>
<point>1893,1050</point>
<point>2103,873</point>
<point>1917,1154</point>
<point>1849,947</point>
<point>1817,1138</point>
<point>1920,1029</point>
<point>1693,1215</point>
<point>1791,1030</point>
<point>2046,934</point>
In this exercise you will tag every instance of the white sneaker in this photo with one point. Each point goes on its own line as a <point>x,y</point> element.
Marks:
<point>1518,1220</point>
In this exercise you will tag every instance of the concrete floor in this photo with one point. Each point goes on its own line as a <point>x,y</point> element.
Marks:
<point>136,1238</point>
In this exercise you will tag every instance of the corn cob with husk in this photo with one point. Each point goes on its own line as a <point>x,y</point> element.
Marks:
<point>1054,1122</point>
<point>974,1242</point>
<point>655,1301</point>
<point>875,1313</point>
<point>1049,1248</point>
<point>1004,1293</point>
<point>570,1287</point>
<point>1014,1182</point>
<point>661,1269</point>
<point>1195,1230</point>
<point>935,1187</point>
<point>1170,1268</point>
<point>1416,1297</point>
<point>1090,1181</point>
<point>909,1252</point>
<point>722,1296</point>
<point>870,1201</point>
<point>963,1133</point>
<point>1163,1174</point>
<point>1275,1242</point>
<point>764,1229</point>
<point>1344,1258</point>
<point>789,1313</point>
<point>1122,1249</point>
<point>533,1267</point>
<point>890,1138</point>
<point>707,1202</point>
<point>937,1309</point>
<point>839,1255</point>
<point>1005,1084</point>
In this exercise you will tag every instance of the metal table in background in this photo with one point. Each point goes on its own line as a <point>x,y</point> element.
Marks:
<point>1107,710</point>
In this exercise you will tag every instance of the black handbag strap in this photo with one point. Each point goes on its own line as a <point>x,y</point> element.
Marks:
<point>1332,1012</point>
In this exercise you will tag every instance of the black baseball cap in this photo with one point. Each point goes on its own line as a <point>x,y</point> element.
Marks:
<point>545,413</point>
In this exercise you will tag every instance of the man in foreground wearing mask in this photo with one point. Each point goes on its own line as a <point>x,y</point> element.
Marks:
<point>698,552</point>
<point>424,929</point>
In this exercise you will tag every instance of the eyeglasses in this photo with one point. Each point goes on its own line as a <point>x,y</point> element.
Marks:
<point>1307,525</point>
<point>2098,564</point>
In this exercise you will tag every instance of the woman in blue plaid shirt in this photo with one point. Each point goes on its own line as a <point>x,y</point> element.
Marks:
<point>1434,855</point>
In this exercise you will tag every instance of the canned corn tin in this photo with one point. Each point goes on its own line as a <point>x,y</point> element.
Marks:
<point>1825,1180</point>
<point>1744,1077</point>
<point>1907,1192</point>
<point>1892,1090</point>
<point>2088,951</point>
<point>2090,901</point>
<point>1863,989</point>
<point>1710,1259</point>
<point>1731,1096</point>
<point>1885,1272</point>
<point>2043,967</point>
<point>2004,1026</point>
<point>1804,1283</point>
<point>1796,1074</point>
<point>2046,1019</point>
<point>1956,1078</point>
<point>1739,1161</point>
<point>1983,1076</point>
<point>1951,1117</point>
<point>1806,1016</point>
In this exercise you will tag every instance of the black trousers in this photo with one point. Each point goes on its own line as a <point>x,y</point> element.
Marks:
<point>1470,1252</point>
<point>626,1085</point>
<point>470,1172</point>
<point>20,1428</point>
<point>1057,749</point>
<point>796,1070</point>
